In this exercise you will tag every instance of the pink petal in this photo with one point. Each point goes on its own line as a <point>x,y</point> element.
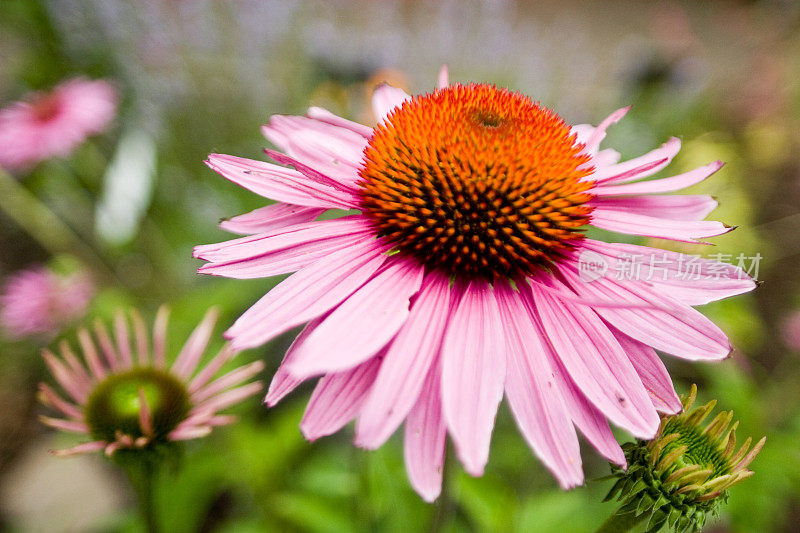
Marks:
<point>473,374</point>
<point>324,115</point>
<point>363,324</point>
<point>327,148</point>
<point>595,361</point>
<point>444,78</point>
<point>279,239</point>
<point>599,133</point>
<point>424,441</point>
<point>189,356</point>
<point>160,336</point>
<point>123,342</point>
<point>51,398</point>
<point>673,183</point>
<point>687,278</point>
<point>653,318</point>
<point>590,421</point>
<point>208,370</point>
<point>283,382</point>
<point>385,98</point>
<point>90,354</point>
<point>86,447</point>
<point>676,207</point>
<point>639,167</point>
<point>306,294</point>
<point>66,378</point>
<point>534,397</point>
<point>653,373</point>
<point>232,378</point>
<point>649,226</point>
<point>337,398</point>
<point>278,183</point>
<point>343,182</point>
<point>270,218</point>
<point>407,361</point>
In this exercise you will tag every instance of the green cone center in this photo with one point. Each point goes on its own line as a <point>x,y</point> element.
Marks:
<point>115,404</point>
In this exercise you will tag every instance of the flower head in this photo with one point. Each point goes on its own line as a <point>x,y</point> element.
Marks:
<point>684,473</point>
<point>461,277</point>
<point>53,124</point>
<point>38,301</point>
<point>128,399</point>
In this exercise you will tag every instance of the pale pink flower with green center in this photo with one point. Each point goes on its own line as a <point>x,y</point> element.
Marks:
<point>53,124</point>
<point>39,302</point>
<point>125,395</point>
<point>465,276</point>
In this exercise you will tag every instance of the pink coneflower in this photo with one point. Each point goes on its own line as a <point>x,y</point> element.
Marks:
<point>124,398</point>
<point>53,124</point>
<point>461,278</point>
<point>38,302</point>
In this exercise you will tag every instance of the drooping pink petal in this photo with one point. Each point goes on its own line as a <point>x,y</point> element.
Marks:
<point>676,207</point>
<point>86,447</point>
<point>330,149</point>
<point>589,420</point>
<point>650,226</point>
<point>406,364</point>
<point>270,218</point>
<point>385,98</point>
<point>689,279</point>
<point>534,397</point>
<point>424,439</point>
<point>473,374</point>
<point>337,398</point>
<point>319,113</point>
<point>639,167</point>
<point>189,356</point>
<point>668,325</point>
<point>653,373</point>
<point>278,183</point>
<point>145,416</point>
<point>109,351</point>
<point>672,183</point>
<point>595,361</point>
<point>73,426</point>
<point>283,382</point>
<point>226,399</point>
<point>280,239</point>
<point>343,182</point>
<point>306,294</point>
<point>362,324</point>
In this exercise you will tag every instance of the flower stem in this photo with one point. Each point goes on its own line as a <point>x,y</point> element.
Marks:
<point>142,476</point>
<point>621,522</point>
<point>43,225</point>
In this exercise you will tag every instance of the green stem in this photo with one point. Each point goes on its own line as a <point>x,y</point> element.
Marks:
<point>621,522</point>
<point>142,477</point>
<point>43,225</point>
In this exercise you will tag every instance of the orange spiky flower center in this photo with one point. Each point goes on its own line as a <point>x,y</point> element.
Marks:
<point>476,181</point>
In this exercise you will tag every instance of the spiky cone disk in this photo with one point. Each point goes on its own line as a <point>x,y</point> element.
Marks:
<point>684,473</point>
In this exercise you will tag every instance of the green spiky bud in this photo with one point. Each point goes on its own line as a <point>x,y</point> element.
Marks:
<point>684,473</point>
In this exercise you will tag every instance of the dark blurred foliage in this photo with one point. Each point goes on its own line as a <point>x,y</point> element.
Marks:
<point>201,76</point>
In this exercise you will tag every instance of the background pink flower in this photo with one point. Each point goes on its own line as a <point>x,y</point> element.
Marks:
<point>39,302</point>
<point>52,124</point>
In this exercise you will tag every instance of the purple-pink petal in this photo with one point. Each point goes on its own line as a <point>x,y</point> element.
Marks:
<point>473,374</point>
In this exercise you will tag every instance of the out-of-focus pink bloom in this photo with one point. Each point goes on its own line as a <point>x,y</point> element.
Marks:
<point>39,302</point>
<point>790,331</point>
<point>465,276</point>
<point>52,124</point>
<point>125,398</point>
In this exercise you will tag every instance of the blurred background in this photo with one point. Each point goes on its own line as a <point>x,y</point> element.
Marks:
<point>201,76</point>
